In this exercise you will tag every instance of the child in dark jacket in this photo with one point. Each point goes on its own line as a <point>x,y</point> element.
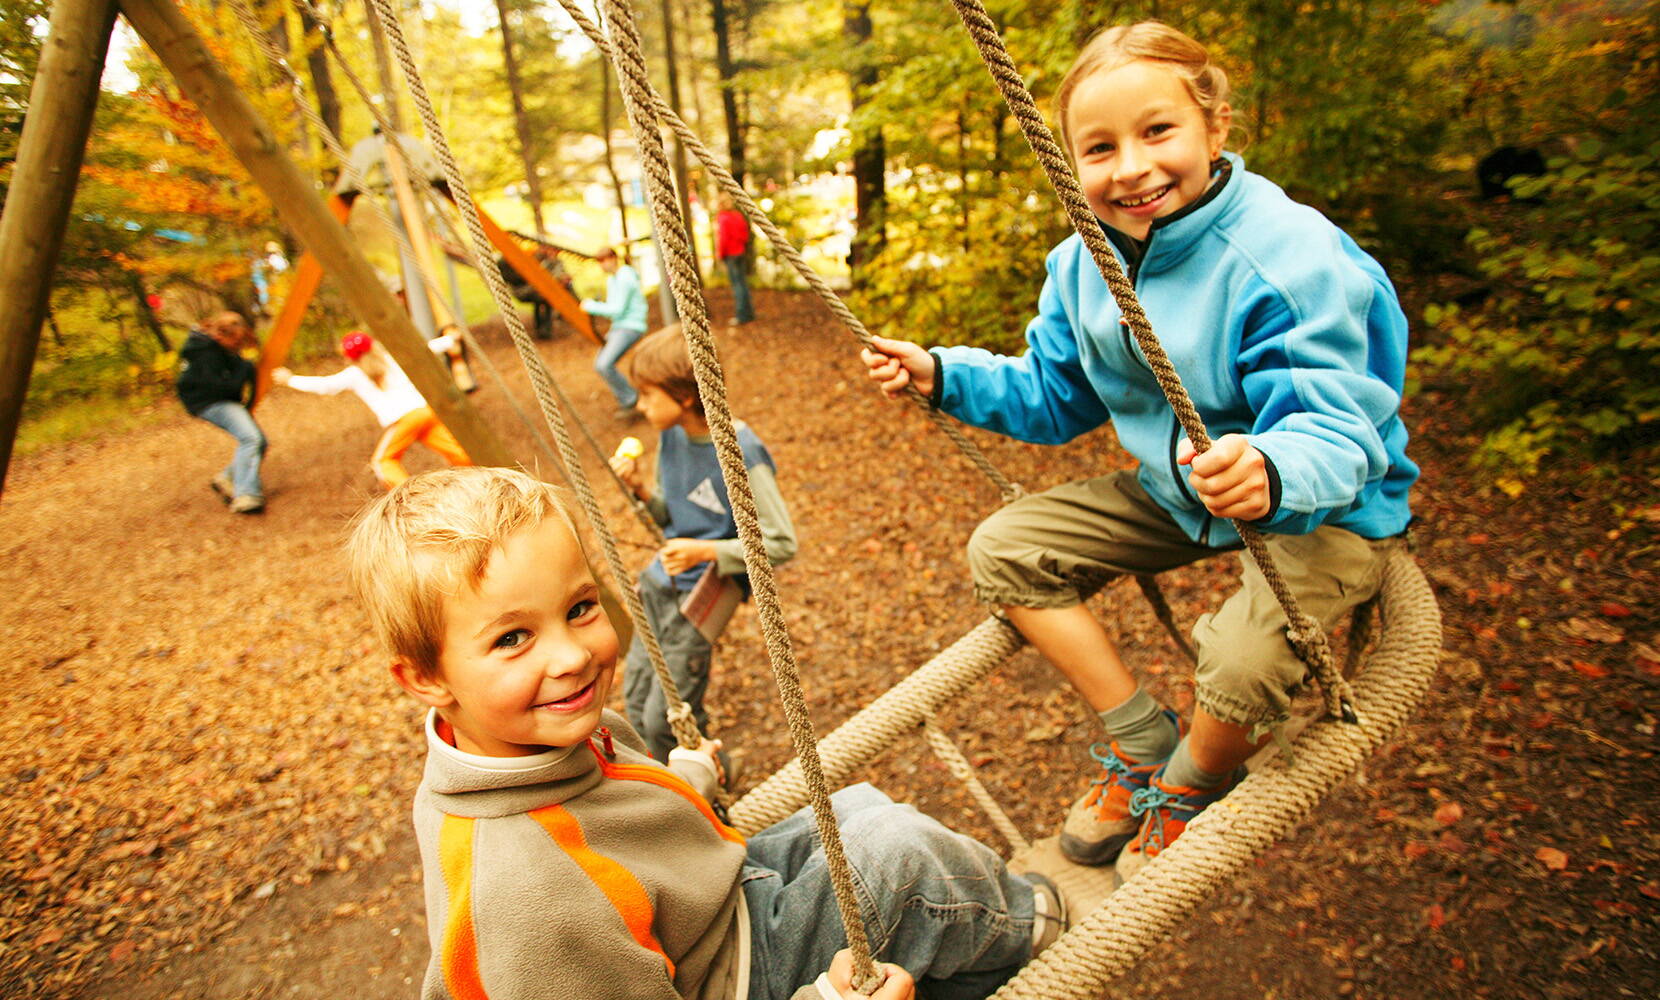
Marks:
<point>216,383</point>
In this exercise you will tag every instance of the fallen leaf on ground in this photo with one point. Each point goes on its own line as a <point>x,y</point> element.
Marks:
<point>1448,813</point>
<point>1552,858</point>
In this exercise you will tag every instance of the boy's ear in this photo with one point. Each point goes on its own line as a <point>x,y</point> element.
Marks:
<point>428,690</point>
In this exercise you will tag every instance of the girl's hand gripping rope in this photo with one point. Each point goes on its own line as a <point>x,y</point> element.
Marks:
<point>1231,478</point>
<point>895,364</point>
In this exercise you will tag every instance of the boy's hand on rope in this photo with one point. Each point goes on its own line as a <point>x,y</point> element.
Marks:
<point>1231,478</point>
<point>281,375</point>
<point>898,984</point>
<point>681,554</point>
<point>894,364</point>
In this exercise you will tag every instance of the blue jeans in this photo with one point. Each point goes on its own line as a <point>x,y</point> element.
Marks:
<point>685,652</point>
<point>936,903</point>
<point>617,343</point>
<point>742,309</point>
<point>235,420</point>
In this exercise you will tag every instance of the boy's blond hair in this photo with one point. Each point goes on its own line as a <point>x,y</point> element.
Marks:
<point>430,536</point>
<point>661,359</point>
<point>1113,47</point>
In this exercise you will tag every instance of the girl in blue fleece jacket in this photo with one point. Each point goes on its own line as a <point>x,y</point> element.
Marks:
<point>1292,343</point>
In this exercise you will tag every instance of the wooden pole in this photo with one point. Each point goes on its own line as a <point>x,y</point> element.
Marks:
<point>61,103</point>
<point>301,209</point>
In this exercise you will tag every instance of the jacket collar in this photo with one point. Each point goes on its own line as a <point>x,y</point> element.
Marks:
<point>468,785</point>
<point>1173,236</point>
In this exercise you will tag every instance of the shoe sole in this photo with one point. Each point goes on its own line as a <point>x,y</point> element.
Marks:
<point>1093,854</point>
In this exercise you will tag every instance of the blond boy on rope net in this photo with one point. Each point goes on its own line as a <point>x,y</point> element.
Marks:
<point>1293,345</point>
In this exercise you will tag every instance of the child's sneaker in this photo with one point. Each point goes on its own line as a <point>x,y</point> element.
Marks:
<point>1049,917</point>
<point>223,486</point>
<point>1100,824</point>
<point>246,504</point>
<point>1164,812</point>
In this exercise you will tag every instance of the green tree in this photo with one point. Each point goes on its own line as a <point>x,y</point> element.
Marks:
<point>1563,355</point>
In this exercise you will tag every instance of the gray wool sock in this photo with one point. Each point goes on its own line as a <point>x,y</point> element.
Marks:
<point>1141,728</point>
<point>1181,771</point>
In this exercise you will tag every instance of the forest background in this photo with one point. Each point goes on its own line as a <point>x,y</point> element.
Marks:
<point>1540,301</point>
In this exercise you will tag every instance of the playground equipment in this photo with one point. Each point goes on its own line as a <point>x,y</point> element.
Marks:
<point>1360,715</point>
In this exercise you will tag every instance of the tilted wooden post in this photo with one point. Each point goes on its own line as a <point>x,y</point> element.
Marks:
<point>302,210</point>
<point>62,99</point>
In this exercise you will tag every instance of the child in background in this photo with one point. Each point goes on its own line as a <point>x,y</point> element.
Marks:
<point>732,247</point>
<point>1291,342</point>
<point>216,384</point>
<point>563,861</point>
<point>393,399</point>
<point>691,503</point>
<point>625,307</point>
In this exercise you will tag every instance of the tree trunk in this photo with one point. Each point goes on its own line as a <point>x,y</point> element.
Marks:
<point>62,98</point>
<point>275,19</point>
<point>682,187</point>
<point>521,121</point>
<point>728,95</point>
<point>322,77</point>
<point>605,133</point>
<point>869,152</point>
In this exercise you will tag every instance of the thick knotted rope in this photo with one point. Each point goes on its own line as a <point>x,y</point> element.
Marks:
<point>679,713</point>
<point>694,325</point>
<point>1305,634</point>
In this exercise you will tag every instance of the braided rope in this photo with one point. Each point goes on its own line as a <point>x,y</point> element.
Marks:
<point>1219,845</point>
<point>383,121</point>
<point>679,713</point>
<point>758,218</point>
<point>963,771</point>
<point>1305,633</point>
<point>694,325</point>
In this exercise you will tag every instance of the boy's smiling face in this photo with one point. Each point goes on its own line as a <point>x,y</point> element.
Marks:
<point>528,656</point>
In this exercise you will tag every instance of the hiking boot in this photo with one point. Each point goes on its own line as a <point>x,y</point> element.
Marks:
<point>246,504</point>
<point>1049,917</point>
<point>223,486</point>
<point>1099,824</point>
<point>1164,812</point>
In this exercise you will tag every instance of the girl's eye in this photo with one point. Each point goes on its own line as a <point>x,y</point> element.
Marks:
<point>1160,128</point>
<point>581,610</point>
<point>514,639</point>
<point>1098,149</point>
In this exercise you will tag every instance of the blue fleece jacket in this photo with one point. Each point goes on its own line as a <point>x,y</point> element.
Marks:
<point>1280,327</point>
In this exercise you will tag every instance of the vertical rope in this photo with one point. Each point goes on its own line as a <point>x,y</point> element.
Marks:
<point>694,322</point>
<point>1305,634</point>
<point>679,713</point>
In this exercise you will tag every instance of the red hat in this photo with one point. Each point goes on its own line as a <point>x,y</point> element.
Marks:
<point>355,345</point>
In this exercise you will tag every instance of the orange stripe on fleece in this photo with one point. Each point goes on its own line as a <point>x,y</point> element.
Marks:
<point>664,778</point>
<point>460,956</point>
<point>617,882</point>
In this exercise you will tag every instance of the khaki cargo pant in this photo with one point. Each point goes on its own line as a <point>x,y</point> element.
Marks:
<point>1053,549</point>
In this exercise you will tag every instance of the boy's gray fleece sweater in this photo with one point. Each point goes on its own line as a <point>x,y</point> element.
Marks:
<point>587,872</point>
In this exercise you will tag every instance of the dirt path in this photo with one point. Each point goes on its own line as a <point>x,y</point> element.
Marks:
<point>207,773</point>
